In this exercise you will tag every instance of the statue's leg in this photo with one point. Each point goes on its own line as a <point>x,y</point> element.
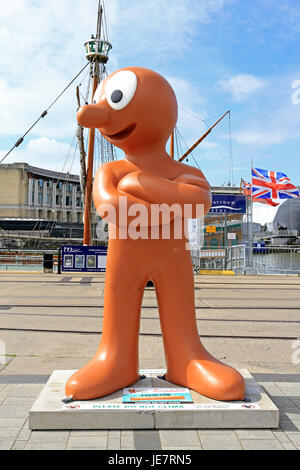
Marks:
<point>188,362</point>
<point>115,365</point>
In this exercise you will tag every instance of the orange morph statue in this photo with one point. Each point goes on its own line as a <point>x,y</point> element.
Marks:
<point>136,110</point>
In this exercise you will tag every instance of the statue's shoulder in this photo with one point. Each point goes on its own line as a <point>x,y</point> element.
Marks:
<point>115,166</point>
<point>184,169</point>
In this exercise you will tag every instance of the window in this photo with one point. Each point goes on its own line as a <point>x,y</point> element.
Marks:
<point>40,199</point>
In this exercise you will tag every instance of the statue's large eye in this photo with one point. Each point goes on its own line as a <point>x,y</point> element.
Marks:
<point>98,93</point>
<point>120,89</point>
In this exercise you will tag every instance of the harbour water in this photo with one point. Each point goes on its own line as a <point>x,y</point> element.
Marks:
<point>277,261</point>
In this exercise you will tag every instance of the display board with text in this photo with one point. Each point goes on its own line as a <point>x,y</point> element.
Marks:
<point>84,258</point>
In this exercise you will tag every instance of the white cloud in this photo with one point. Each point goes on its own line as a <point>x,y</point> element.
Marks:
<point>277,121</point>
<point>210,145</point>
<point>42,50</point>
<point>157,27</point>
<point>259,138</point>
<point>242,85</point>
<point>187,94</point>
<point>48,153</point>
<point>10,8</point>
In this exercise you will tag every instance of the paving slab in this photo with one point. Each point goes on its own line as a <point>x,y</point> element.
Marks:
<point>147,440</point>
<point>19,445</point>
<point>6,444</point>
<point>262,444</point>
<point>218,442</point>
<point>288,446</point>
<point>183,437</point>
<point>88,442</point>
<point>49,413</point>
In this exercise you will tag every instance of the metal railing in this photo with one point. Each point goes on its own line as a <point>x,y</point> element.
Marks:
<point>276,259</point>
<point>264,259</point>
<point>244,259</point>
<point>24,260</point>
<point>25,234</point>
<point>236,257</point>
<point>276,233</point>
<point>210,259</point>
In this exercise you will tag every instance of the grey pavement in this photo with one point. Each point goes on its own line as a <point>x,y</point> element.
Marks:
<point>54,322</point>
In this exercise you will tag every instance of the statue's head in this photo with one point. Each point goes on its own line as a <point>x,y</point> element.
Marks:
<point>133,108</point>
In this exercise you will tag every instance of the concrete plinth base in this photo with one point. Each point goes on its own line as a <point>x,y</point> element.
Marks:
<point>48,412</point>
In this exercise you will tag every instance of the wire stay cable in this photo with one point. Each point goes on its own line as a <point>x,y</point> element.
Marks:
<point>43,115</point>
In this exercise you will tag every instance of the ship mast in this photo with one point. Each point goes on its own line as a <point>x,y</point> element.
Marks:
<point>202,138</point>
<point>172,144</point>
<point>97,50</point>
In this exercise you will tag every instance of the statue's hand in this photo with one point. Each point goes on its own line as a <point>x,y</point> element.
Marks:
<point>109,185</point>
<point>187,188</point>
<point>139,184</point>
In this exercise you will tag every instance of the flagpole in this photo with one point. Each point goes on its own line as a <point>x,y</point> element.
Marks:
<point>251,219</point>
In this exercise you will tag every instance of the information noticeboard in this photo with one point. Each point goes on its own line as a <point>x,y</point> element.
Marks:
<point>84,258</point>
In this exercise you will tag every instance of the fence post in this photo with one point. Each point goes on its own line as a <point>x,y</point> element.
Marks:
<point>226,248</point>
<point>59,262</point>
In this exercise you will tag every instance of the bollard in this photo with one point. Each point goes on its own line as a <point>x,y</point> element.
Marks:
<point>48,262</point>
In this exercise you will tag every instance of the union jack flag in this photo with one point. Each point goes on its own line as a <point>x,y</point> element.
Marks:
<point>247,191</point>
<point>246,187</point>
<point>272,185</point>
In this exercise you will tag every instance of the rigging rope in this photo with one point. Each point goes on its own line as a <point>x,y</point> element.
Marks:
<point>230,157</point>
<point>19,142</point>
<point>69,153</point>
<point>72,163</point>
<point>105,20</point>
<point>194,115</point>
<point>230,153</point>
<point>191,154</point>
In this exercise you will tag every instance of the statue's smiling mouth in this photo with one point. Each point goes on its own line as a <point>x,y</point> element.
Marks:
<point>122,134</point>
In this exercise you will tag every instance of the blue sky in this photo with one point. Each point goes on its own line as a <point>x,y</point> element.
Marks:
<point>217,54</point>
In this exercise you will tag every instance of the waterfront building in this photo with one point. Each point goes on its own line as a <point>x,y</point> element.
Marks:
<point>27,192</point>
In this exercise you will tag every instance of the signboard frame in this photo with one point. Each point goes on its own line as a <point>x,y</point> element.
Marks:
<point>83,258</point>
<point>156,395</point>
<point>228,204</point>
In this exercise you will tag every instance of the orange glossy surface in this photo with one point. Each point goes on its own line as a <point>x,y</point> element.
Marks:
<point>148,175</point>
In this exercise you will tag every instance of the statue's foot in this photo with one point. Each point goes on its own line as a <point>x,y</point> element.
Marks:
<point>96,380</point>
<point>210,378</point>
